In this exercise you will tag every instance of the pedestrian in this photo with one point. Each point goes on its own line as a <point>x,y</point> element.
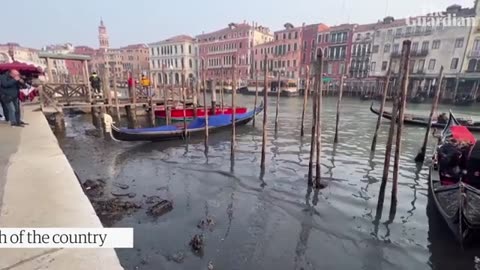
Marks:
<point>145,85</point>
<point>10,84</point>
<point>95,83</point>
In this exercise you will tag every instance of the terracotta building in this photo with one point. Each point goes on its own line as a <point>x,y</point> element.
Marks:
<point>135,58</point>
<point>220,49</point>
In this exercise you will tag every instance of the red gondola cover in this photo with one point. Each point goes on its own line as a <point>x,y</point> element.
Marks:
<point>21,67</point>
<point>462,134</point>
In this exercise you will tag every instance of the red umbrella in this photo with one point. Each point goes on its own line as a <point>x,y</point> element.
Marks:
<point>21,67</point>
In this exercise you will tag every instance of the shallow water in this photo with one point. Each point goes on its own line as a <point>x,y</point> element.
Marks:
<point>273,221</point>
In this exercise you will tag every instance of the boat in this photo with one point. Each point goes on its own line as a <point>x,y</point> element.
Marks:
<point>176,114</point>
<point>454,180</point>
<point>464,101</point>
<point>177,132</point>
<point>418,99</point>
<point>288,87</point>
<point>416,120</point>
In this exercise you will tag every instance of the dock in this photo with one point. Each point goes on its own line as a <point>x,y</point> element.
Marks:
<point>38,188</point>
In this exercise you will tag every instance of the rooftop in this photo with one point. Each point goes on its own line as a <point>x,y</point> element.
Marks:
<point>179,38</point>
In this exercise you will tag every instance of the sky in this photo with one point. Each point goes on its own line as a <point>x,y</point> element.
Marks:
<point>41,22</point>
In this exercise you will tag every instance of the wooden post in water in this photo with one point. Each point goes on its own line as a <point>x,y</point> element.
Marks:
<point>184,105</point>
<point>205,108</point>
<point>421,156</point>
<point>195,89</point>
<point>115,91</point>
<point>305,100</point>
<point>340,93</point>
<point>403,101</point>
<point>318,184</point>
<point>382,108</point>
<point>265,106</point>
<point>388,150</point>
<point>256,96</point>
<point>222,91</point>
<point>214,96</point>
<point>313,140</point>
<point>234,109</point>
<point>279,89</point>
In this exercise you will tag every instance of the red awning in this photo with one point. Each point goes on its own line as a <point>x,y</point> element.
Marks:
<point>21,67</point>
<point>462,134</point>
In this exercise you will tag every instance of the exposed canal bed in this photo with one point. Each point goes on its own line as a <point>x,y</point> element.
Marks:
<point>273,221</point>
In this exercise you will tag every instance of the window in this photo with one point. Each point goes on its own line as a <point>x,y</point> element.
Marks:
<point>459,42</point>
<point>181,49</point>
<point>375,48</point>
<point>284,36</point>
<point>408,31</point>
<point>386,49</point>
<point>395,48</point>
<point>294,63</point>
<point>319,38</point>
<point>290,35</point>
<point>476,45</point>
<point>372,66</point>
<point>399,32</point>
<point>313,43</point>
<point>296,35</point>
<point>288,63</point>
<point>240,45</point>
<point>329,68</point>
<point>425,46</point>
<point>411,65</point>
<point>454,63</point>
<point>414,47</point>
<point>326,38</point>
<point>431,64</point>
<point>384,65</point>
<point>295,46</point>
<point>471,65</point>
<point>421,65</point>
<point>377,33</point>
<point>276,37</point>
<point>359,36</point>
<point>288,48</point>
<point>436,45</point>
<point>190,63</point>
<point>389,32</point>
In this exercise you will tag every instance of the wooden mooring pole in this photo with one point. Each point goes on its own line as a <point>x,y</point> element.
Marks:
<point>305,100</point>
<point>313,139</point>
<point>421,155</point>
<point>234,109</point>
<point>265,107</point>
<point>222,90</point>
<point>398,145</point>
<point>184,106</point>
<point>279,90</point>
<point>256,96</point>
<point>382,108</point>
<point>205,108</point>
<point>115,91</point>
<point>339,101</point>
<point>318,184</point>
<point>214,95</point>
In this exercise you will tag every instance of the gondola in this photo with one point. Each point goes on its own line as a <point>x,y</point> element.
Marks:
<point>177,132</point>
<point>455,178</point>
<point>423,120</point>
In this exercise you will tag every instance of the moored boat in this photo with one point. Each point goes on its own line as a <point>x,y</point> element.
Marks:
<point>176,114</point>
<point>416,120</point>
<point>176,132</point>
<point>455,178</point>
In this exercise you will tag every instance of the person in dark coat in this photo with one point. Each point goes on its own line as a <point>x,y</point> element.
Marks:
<point>95,83</point>
<point>10,84</point>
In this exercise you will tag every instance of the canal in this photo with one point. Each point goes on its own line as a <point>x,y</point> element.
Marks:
<point>273,221</point>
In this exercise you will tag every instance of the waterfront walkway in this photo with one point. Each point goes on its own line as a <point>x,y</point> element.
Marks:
<point>38,188</point>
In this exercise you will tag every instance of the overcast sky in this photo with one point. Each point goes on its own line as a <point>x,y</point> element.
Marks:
<point>35,23</point>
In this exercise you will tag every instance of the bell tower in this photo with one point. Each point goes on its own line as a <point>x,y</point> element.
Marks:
<point>103,36</point>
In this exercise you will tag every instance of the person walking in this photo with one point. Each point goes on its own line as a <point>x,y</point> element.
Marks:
<point>10,84</point>
<point>95,83</point>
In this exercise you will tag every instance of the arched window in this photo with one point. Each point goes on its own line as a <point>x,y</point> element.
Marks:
<point>177,78</point>
<point>190,63</point>
<point>472,65</point>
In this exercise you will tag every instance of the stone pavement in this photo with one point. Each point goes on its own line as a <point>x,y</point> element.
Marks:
<point>38,188</point>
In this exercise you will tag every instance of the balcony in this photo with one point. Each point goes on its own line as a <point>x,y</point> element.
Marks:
<point>474,54</point>
<point>421,53</point>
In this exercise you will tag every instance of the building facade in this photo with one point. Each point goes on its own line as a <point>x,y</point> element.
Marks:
<point>60,67</point>
<point>10,52</point>
<point>135,59</point>
<point>221,50</point>
<point>173,60</point>
<point>432,47</point>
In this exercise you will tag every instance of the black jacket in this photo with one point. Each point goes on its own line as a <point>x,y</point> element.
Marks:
<point>95,81</point>
<point>9,87</point>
